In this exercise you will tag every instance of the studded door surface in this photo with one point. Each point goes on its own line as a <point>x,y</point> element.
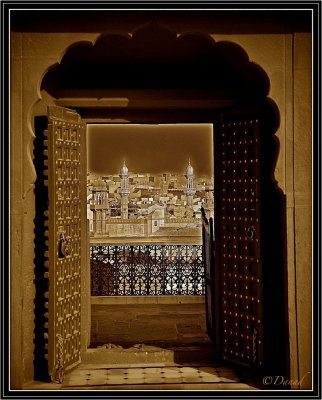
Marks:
<point>66,203</point>
<point>238,251</point>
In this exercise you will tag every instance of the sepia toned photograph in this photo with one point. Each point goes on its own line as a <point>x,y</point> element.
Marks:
<point>160,200</point>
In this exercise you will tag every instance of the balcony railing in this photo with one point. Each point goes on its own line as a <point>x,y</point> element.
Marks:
<point>138,270</point>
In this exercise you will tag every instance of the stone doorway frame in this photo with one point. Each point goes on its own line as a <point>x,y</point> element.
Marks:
<point>194,117</point>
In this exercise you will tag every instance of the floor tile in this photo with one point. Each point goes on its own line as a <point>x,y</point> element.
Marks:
<point>75,382</point>
<point>188,369</point>
<point>210,370</point>
<point>170,369</point>
<point>224,379</point>
<point>152,371</point>
<point>98,373</point>
<point>133,381</point>
<point>79,372</point>
<point>170,374</point>
<point>115,371</point>
<point>173,380</point>
<point>210,379</point>
<point>154,379</point>
<point>97,381</point>
<point>191,379</point>
<point>116,380</point>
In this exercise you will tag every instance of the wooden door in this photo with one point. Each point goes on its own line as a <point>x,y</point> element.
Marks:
<point>66,159</point>
<point>238,241</point>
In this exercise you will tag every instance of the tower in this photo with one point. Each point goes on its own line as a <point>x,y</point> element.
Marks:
<point>99,206</point>
<point>189,189</point>
<point>124,191</point>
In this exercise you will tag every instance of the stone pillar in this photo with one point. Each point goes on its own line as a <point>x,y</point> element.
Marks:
<point>103,221</point>
<point>94,222</point>
<point>99,222</point>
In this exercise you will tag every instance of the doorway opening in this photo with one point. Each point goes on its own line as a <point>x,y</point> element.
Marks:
<point>146,187</point>
<point>228,91</point>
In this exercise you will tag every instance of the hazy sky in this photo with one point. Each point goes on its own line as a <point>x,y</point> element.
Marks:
<point>150,148</point>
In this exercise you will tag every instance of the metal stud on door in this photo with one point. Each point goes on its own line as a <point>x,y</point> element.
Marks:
<point>66,189</point>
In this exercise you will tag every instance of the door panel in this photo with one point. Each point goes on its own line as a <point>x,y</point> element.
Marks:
<point>66,192</point>
<point>238,247</point>
<point>210,291</point>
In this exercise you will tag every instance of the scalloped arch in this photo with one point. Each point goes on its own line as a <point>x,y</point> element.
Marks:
<point>156,58</point>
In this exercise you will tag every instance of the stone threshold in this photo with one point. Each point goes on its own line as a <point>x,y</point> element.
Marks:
<point>148,355</point>
<point>147,300</point>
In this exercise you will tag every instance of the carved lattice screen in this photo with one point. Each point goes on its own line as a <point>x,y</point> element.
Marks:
<point>140,270</point>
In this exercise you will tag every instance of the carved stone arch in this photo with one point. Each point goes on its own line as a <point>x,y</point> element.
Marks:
<point>193,63</point>
<point>158,59</point>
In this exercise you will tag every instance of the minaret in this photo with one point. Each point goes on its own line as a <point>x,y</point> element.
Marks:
<point>189,189</point>
<point>124,191</point>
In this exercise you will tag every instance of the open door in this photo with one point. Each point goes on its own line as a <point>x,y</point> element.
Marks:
<point>66,162</point>
<point>238,241</point>
<point>249,261</point>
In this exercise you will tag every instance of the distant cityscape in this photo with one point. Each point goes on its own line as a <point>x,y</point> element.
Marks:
<point>142,204</point>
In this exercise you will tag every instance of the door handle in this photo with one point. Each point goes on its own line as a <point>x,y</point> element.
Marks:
<point>64,245</point>
<point>250,232</point>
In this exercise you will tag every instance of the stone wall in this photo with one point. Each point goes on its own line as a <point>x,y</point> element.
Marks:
<point>286,58</point>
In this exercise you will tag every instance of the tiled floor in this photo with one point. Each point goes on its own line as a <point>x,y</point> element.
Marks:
<point>150,347</point>
<point>126,331</point>
<point>150,375</point>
